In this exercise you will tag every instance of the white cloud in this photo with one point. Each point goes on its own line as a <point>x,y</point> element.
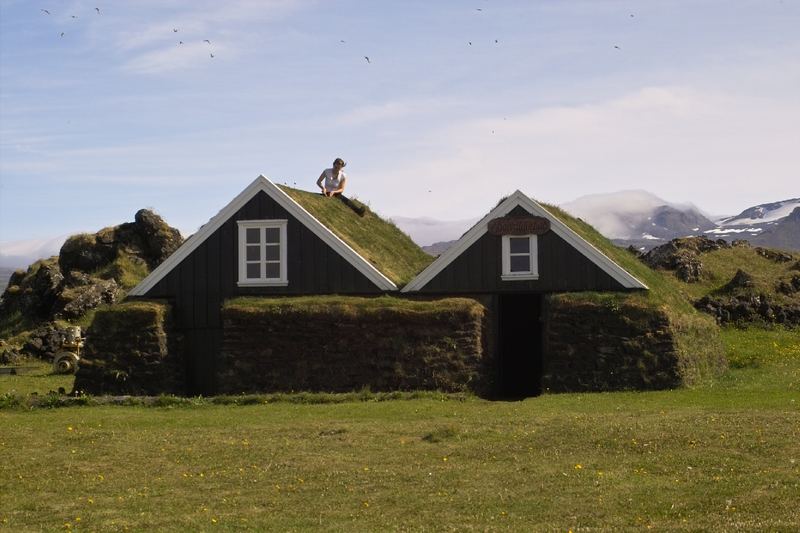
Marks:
<point>426,231</point>
<point>678,142</point>
<point>152,44</point>
<point>20,254</point>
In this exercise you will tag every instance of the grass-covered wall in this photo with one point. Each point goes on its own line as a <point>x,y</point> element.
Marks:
<point>695,338</point>
<point>335,343</point>
<point>131,349</point>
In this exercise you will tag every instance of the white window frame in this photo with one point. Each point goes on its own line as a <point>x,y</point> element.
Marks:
<point>533,252</point>
<point>262,225</point>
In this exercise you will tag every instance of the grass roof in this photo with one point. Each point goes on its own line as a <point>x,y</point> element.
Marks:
<point>377,240</point>
<point>351,305</point>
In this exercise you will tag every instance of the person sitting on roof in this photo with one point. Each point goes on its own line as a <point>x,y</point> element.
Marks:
<point>334,178</point>
<point>334,181</point>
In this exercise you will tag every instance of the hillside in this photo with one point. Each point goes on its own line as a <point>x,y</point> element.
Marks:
<point>736,283</point>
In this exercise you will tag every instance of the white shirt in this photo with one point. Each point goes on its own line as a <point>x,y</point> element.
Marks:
<point>333,182</point>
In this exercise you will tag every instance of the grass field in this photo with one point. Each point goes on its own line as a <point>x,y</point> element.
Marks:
<point>718,458</point>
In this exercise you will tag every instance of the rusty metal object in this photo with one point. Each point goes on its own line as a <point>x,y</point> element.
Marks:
<point>66,359</point>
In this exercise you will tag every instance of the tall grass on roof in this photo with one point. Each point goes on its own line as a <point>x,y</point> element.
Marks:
<point>378,240</point>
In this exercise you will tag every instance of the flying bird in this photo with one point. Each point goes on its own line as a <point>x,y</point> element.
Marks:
<point>341,41</point>
<point>180,42</point>
<point>206,41</point>
<point>470,43</point>
<point>174,30</point>
<point>212,55</point>
<point>97,9</point>
<point>478,9</point>
<point>74,16</point>
<point>617,47</point>
<point>44,11</point>
<point>367,58</point>
<point>62,33</point>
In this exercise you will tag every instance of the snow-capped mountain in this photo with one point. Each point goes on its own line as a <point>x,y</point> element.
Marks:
<point>643,220</point>
<point>762,214</point>
<point>639,218</point>
<point>775,225</point>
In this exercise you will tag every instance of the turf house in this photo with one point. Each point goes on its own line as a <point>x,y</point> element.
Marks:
<point>286,290</point>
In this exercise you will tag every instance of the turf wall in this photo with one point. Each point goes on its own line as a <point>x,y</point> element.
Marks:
<point>622,344</point>
<point>131,349</point>
<point>344,344</point>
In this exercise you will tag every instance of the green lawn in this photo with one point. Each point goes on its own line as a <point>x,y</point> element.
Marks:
<point>723,457</point>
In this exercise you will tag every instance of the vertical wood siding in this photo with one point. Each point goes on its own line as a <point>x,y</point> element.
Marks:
<point>198,286</point>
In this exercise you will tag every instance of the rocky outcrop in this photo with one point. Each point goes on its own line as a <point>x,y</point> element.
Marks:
<point>683,256</point>
<point>87,271</point>
<point>148,237</point>
<point>774,255</point>
<point>9,355</point>
<point>789,287</point>
<point>45,341</point>
<point>76,302</point>
<point>158,240</point>
<point>738,302</point>
<point>748,308</point>
<point>87,253</point>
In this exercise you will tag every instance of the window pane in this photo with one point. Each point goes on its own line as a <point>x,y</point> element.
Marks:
<point>254,271</point>
<point>520,263</point>
<point>252,253</point>
<point>273,252</point>
<point>253,235</point>
<point>273,235</point>
<point>519,245</point>
<point>273,270</point>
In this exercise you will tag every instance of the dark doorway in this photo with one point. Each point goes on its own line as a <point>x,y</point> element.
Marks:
<point>520,345</point>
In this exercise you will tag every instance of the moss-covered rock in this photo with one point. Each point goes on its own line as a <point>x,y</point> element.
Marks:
<point>90,270</point>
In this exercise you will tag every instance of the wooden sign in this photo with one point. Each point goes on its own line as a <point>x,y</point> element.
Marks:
<point>519,225</point>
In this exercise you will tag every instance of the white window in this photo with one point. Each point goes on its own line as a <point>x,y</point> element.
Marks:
<point>262,253</point>
<point>520,257</point>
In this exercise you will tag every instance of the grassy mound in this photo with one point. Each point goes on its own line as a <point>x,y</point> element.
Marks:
<point>377,240</point>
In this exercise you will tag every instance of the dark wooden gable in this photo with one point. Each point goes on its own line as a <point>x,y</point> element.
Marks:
<point>211,270</point>
<point>562,268</point>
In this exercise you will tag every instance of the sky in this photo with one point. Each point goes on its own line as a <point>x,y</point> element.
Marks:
<point>107,107</point>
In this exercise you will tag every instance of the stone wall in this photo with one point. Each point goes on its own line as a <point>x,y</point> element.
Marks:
<point>328,349</point>
<point>592,346</point>
<point>130,349</point>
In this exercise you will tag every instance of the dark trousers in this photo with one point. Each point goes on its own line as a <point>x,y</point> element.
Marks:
<point>359,210</point>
